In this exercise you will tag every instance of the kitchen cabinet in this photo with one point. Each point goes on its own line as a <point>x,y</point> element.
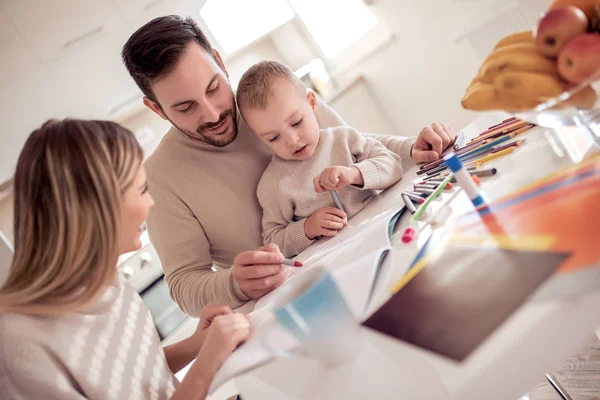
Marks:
<point>54,28</point>
<point>357,105</point>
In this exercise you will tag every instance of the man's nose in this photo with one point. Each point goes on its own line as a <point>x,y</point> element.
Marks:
<point>211,112</point>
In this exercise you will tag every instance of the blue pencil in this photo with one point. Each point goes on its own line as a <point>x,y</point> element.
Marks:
<point>336,200</point>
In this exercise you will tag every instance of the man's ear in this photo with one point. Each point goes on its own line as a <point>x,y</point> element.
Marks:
<point>154,107</point>
<point>312,99</point>
<point>220,61</point>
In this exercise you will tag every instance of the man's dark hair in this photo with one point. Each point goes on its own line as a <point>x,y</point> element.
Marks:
<point>154,49</point>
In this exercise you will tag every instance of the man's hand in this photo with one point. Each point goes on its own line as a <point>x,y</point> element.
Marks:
<point>326,221</point>
<point>259,271</point>
<point>431,142</point>
<point>334,178</point>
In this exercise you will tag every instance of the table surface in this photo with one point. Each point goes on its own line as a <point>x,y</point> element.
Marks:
<point>579,375</point>
<point>535,339</point>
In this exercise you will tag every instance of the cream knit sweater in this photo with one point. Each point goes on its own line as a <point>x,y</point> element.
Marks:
<point>110,350</point>
<point>207,210</point>
<point>287,195</point>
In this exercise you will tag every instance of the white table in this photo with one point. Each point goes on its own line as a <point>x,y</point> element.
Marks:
<point>536,338</point>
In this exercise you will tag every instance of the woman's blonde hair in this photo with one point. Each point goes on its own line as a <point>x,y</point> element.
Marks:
<point>68,186</point>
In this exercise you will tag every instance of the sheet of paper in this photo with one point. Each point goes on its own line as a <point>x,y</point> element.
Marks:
<point>353,257</point>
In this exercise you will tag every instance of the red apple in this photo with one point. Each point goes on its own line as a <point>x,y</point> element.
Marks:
<point>579,59</point>
<point>557,26</point>
<point>591,8</point>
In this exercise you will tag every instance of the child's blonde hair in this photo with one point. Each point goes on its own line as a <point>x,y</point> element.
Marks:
<point>256,86</point>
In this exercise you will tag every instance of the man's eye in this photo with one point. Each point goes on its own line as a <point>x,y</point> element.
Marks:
<point>213,87</point>
<point>184,110</point>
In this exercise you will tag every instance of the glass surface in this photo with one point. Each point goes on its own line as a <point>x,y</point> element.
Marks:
<point>578,130</point>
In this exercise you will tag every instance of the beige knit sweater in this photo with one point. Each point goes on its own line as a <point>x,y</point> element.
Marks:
<point>287,195</point>
<point>207,211</point>
<point>111,350</point>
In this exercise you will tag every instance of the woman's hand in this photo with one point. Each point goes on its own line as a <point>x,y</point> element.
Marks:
<point>224,334</point>
<point>208,314</point>
<point>219,336</point>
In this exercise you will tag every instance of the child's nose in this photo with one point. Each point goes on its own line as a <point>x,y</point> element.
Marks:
<point>292,140</point>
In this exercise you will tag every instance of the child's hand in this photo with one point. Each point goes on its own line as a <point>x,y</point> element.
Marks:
<point>326,221</point>
<point>334,178</point>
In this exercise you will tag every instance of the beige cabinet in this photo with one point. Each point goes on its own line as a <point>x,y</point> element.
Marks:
<point>357,105</point>
<point>54,28</point>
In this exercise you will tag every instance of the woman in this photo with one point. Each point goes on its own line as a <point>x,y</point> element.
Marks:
<point>70,326</point>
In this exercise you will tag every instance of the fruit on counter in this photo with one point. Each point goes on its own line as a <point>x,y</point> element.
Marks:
<point>591,8</point>
<point>515,48</point>
<point>528,68</point>
<point>529,85</point>
<point>525,62</point>
<point>579,59</point>
<point>557,26</point>
<point>518,37</point>
<point>485,96</point>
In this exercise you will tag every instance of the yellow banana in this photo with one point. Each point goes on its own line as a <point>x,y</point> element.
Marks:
<point>485,96</point>
<point>480,97</point>
<point>529,85</point>
<point>518,37</point>
<point>517,62</point>
<point>515,48</point>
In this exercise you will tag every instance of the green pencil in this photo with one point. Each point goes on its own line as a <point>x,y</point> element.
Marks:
<point>432,197</point>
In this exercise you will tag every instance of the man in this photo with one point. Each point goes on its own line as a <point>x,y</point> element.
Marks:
<point>203,175</point>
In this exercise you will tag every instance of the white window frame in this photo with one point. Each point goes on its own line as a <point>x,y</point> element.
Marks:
<point>375,39</point>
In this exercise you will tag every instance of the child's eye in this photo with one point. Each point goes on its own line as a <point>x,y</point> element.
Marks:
<point>274,138</point>
<point>297,123</point>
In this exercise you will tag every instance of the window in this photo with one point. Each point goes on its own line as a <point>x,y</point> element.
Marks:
<point>333,25</point>
<point>237,23</point>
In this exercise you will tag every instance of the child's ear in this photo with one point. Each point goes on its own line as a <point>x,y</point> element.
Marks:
<point>312,99</point>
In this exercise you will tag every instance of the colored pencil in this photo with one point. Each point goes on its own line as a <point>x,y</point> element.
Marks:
<point>433,196</point>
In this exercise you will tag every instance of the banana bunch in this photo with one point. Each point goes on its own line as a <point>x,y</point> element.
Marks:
<point>517,77</point>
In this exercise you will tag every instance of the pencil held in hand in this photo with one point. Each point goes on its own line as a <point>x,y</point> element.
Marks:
<point>291,263</point>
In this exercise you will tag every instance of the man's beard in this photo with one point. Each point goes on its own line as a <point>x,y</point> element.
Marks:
<point>219,140</point>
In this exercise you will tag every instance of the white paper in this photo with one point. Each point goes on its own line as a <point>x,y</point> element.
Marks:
<point>353,256</point>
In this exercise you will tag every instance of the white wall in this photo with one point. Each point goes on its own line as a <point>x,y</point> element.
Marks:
<point>6,234</point>
<point>6,218</point>
<point>421,76</point>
